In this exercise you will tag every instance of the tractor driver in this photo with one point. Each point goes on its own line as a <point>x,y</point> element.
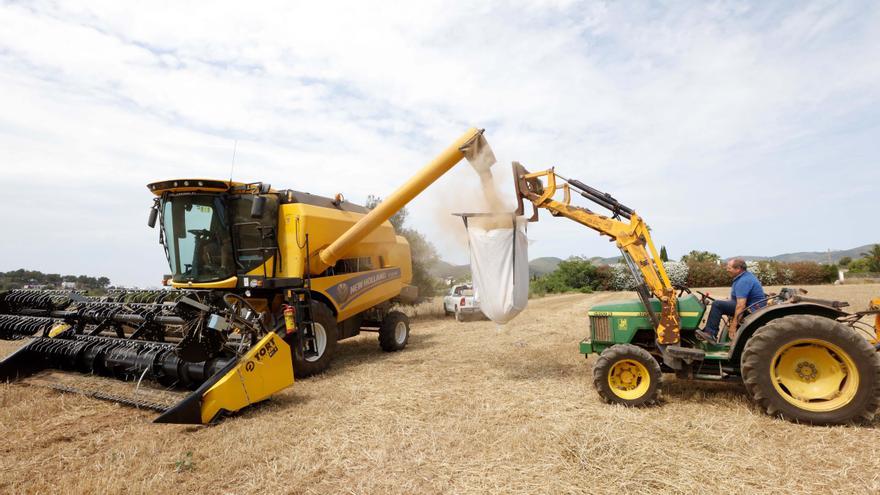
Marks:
<point>745,292</point>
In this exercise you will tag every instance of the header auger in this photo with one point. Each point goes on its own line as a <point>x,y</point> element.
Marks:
<point>181,339</point>
<point>267,281</point>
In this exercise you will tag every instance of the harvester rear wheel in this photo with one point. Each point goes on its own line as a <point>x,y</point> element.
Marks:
<point>326,335</point>
<point>394,332</point>
<point>627,374</point>
<point>812,369</point>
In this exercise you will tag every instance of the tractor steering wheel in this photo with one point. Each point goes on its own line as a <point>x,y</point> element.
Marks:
<point>682,290</point>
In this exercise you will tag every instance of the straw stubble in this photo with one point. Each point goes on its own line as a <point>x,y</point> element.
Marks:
<point>463,409</point>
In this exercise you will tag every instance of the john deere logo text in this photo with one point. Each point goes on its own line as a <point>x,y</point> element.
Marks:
<point>344,293</point>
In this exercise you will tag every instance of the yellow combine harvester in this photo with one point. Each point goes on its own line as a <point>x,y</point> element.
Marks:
<point>267,282</point>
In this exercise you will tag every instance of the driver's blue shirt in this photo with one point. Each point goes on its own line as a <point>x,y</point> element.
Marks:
<point>746,286</point>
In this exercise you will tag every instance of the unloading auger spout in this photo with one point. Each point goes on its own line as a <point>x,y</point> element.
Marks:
<point>471,145</point>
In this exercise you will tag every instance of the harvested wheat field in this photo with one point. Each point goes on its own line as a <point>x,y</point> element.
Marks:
<point>466,408</point>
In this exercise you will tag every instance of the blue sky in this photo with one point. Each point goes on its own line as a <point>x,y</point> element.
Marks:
<point>736,127</point>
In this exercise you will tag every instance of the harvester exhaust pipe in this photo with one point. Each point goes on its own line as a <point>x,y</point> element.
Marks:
<point>471,145</point>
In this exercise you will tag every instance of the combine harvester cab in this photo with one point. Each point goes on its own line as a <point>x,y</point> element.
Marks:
<point>265,283</point>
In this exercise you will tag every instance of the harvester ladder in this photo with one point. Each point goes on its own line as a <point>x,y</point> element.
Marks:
<point>302,303</point>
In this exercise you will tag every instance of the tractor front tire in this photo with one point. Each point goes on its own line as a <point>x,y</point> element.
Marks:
<point>326,334</point>
<point>394,332</point>
<point>812,369</point>
<point>627,374</point>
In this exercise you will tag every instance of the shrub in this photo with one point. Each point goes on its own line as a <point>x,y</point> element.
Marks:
<point>622,278</point>
<point>770,272</point>
<point>808,272</point>
<point>574,274</point>
<point>859,265</point>
<point>578,274</point>
<point>677,271</point>
<point>797,272</point>
<point>700,256</point>
<point>707,274</point>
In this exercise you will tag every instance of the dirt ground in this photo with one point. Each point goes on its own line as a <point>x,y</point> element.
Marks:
<point>466,408</point>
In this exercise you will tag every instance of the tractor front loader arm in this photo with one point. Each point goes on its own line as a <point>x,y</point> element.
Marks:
<point>632,238</point>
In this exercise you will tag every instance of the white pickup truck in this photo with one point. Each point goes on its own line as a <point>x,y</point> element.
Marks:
<point>462,302</point>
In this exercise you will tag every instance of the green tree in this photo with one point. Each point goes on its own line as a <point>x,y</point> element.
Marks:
<point>858,265</point>
<point>19,278</point>
<point>701,256</point>
<point>397,220</point>
<point>846,260</point>
<point>424,254</point>
<point>873,259</point>
<point>574,274</point>
<point>424,257</point>
<point>663,256</point>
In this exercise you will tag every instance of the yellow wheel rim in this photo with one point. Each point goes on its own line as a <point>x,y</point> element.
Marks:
<point>814,375</point>
<point>629,379</point>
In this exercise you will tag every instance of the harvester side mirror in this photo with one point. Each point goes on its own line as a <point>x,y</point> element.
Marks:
<point>258,207</point>
<point>154,214</point>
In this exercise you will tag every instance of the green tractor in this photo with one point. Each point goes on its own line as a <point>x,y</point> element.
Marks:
<point>800,358</point>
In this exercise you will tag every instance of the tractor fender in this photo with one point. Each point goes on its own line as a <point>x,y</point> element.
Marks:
<point>767,314</point>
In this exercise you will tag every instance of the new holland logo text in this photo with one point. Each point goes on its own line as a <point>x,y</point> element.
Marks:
<point>346,292</point>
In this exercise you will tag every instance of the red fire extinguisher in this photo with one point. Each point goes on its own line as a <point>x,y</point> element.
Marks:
<point>289,319</point>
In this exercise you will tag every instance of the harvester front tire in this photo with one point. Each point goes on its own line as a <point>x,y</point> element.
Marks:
<point>812,369</point>
<point>394,332</point>
<point>325,323</point>
<point>627,374</point>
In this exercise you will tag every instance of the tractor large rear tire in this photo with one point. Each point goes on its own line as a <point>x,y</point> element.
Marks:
<point>627,374</point>
<point>811,369</point>
<point>326,334</point>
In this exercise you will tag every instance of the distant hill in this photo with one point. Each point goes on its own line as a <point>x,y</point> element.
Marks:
<point>537,267</point>
<point>33,279</point>
<point>542,266</point>
<point>443,269</point>
<point>598,260</point>
<point>817,256</point>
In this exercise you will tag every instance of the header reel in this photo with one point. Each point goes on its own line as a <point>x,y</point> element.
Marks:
<point>176,340</point>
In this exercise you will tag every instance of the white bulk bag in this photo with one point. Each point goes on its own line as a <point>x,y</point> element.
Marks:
<point>500,266</point>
